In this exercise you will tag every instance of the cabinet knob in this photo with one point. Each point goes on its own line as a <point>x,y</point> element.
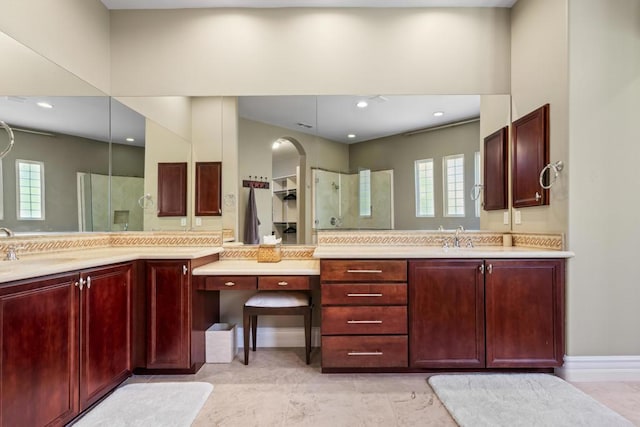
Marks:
<point>538,197</point>
<point>184,270</point>
<point>89,282</point>
<point>229,283</point>
<point>283,283</point>
<point>489,268</point>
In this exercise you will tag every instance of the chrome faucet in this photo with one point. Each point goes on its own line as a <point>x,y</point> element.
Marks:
<point>11,254</point>
<point>456,239</point>
<point>8,232</point>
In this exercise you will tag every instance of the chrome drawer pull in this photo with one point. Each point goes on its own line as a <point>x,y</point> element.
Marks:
<point>365,271</point>
<point>358,322</point>
<point>230,283</point>
<point>283,283</point>
<point>364,353</point>
<point>364,295</point>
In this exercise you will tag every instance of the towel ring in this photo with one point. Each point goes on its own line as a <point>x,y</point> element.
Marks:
<point>476,190</point>
<point>556,168</point>
<point>12,140</point>
<point>146,202</point>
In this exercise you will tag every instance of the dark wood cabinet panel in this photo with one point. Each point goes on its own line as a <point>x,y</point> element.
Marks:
<point>495,170</point>
<point>364,294</point>
<point>172,189</point>
<point>105,331</point>
<point>373,351</point>
<point>168,317</point>
<point>39,370</point>
<point>446,314</point>
<point>530,156</point>
<point>364,320</point>
<point>208,189</point>
<point>363,270</point>
<point>525,313</point>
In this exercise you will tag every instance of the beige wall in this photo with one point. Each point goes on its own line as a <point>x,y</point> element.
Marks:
<point>73,34</point>
<point>603,294</point>
<point>539,72</point>
<point>310,51</point>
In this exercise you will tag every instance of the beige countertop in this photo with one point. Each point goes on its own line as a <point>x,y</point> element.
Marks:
<point>305,267</point>
<point>51,263</point>
<point>373,252</point>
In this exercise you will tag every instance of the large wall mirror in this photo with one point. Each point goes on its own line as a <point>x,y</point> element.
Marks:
<point>365,162</point>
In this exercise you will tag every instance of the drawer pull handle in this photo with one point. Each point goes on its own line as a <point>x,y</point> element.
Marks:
<point>229,283</point>
<point>283,283</point>
<point>365,271</point>
<point>364,295</point>
<point>366,322</point>
<point>364,353</point>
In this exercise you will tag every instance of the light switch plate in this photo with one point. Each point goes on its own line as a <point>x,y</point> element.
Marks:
<point>198,222</point>
<point>518,218</point>
<point>183,222</point>
<point>505,218</point>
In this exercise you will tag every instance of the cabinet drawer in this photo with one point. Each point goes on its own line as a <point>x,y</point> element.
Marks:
<point>363,270</point>
<point>223,283</point>
<point>365,352</point>
<point>364,293</point>
<point>283,283</point>
<point>364,320</point>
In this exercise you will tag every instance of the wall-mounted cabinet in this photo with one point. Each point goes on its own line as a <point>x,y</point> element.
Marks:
<point>495,170</point>
<point>530,155</point>
<point>208,189</point>
<point>172,189</point>
<point>285,208</point>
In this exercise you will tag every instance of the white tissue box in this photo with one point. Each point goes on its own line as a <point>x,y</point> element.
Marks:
<point>220,343</point>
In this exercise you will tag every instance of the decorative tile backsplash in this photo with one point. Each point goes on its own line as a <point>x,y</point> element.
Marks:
<point>290,252</point>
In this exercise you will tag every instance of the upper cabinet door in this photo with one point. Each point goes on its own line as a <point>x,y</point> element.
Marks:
<point>530,155</point>
<point>495,170</point>
<point>172,189</point>
<point>208,189</point>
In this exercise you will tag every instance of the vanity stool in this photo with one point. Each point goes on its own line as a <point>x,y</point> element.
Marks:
<point>276,303</point>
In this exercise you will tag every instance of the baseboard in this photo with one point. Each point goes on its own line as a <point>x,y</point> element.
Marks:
<point>600,368</point>
<point>281,337</point>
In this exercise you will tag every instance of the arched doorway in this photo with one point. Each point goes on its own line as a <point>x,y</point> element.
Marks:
<point>288,165</point>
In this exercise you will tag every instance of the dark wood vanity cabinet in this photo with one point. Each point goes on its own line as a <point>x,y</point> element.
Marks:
<point>530,156</point>
<point>172,189</point>
<point>178,314</point>
<point>208,189</point>
<point>524,313</point>
<point>495,170</point>
<point>63,347</point>
<point>446,314</point>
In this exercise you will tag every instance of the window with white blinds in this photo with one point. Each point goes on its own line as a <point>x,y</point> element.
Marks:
<point>453,170</point>
<point>423,170</point>
<point>30,189</point>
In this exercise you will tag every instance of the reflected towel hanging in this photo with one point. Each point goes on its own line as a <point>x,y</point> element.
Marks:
<point>251,221</point>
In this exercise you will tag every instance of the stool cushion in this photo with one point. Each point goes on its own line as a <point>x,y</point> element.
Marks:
<point>274,299</point>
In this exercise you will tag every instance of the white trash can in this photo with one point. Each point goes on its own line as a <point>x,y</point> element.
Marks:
<point>220,343</point>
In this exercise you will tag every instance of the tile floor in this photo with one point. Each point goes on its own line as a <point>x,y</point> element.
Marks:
<point>278,389</point>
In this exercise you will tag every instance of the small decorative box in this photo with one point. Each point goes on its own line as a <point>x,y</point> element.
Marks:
<point>269,253</point>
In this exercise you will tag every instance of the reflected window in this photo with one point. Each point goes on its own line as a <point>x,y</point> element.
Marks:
<point>424,188</point>
<point>453,167</point>
<point>365,192</point>
<point>30,189</point>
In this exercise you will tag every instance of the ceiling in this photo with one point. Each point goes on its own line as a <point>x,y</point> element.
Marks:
<point>333,117</point>
<point>188,4</point>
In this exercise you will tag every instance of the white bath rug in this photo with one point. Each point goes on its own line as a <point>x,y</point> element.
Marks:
<point>520,400</point>
<point>173,404</point>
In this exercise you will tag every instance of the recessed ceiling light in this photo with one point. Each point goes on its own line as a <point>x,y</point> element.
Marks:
<point>438,114</point>
<point>130,140</point>
<point>43,104</point>
<point>351,135</point>
<point>362,104</point>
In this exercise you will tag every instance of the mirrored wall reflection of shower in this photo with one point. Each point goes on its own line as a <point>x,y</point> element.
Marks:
<point>339,198</point>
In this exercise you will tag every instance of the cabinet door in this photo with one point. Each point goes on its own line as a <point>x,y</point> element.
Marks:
<point>446,314</point>
<point>172,189</point>
<point>39,365</point>
<point>530,156</point>
<point>525,313</point>
<point>168,327</point>
<point>208,189</point>
<point>495,170</point>
<point>105,331</point>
